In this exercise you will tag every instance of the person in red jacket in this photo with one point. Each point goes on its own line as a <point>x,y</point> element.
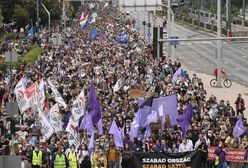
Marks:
<point>216,72</point>
<point>240,105</point>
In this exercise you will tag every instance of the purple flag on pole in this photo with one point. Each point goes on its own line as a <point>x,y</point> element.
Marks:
<point>100,129</point>
<point>184,120</point>
<point>169,105</point>
<point>118,134</point>
<point>177,73</point>
<point>152,118</point>
<point>145,110</point>
<point>134,130</point>
<point>147,133</point>
<point>95,105</point>
<point>239,129</point>
<point>87,124</point>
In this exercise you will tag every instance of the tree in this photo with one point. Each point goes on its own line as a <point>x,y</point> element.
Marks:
<point>20,16</point>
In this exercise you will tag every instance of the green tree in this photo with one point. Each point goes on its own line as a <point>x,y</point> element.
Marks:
<point>20,16</point>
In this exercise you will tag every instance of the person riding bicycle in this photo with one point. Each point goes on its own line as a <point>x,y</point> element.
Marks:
<point>216,73</point>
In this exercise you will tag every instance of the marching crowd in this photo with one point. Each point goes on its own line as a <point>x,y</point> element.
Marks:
<point>105,59</point>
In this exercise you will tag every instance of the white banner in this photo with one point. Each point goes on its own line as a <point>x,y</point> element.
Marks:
<point>46,128</point>
<point>78,107</point>
<point>57,95</point>
<point>55,118</point>
<point>22,99</point>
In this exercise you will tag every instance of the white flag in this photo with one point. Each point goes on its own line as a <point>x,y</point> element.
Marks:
<point>78,107</point>
<point>72,134</point>
<point>46,128</point>
<point>55,118</point>
<point>118,85</point>
<point>22,99</point>
<point>42,96</point>
<point>57,95</point>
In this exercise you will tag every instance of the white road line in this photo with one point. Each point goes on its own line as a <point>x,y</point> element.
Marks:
<point>189,43</point>
<point>244,56</point>
<point>226,62</point>
<point>237,68</point>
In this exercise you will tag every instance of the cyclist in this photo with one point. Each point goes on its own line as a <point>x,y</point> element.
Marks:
<point>216,72</point>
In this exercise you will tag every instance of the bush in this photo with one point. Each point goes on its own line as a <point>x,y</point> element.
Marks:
<point>30,57</point>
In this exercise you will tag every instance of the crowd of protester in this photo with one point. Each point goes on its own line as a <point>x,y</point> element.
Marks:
<point>79,60</point>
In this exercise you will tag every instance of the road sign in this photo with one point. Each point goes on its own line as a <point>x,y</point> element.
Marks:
<point>11,56</point>
<point>174,42</point>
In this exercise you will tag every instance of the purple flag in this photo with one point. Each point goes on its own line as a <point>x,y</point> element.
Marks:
<point>100,129</point>
<point>134,130</point>
<point>152,118</point>
<point>184,120</point>
<point>91,145</point>
<point>118,134</point>
<point>177,73</point>
<point>145,110</point>
<point>239,129</point>
<point>147,133</point>
<point>169,105</point>
<point>95,105</point>
<point>87,124</point>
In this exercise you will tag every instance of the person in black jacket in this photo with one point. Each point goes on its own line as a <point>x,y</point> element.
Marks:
<point>204,153</point>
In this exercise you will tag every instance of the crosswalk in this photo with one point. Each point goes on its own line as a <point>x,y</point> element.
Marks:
<point>199,43</point>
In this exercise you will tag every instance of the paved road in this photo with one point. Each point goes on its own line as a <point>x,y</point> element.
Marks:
<point>201,56</point>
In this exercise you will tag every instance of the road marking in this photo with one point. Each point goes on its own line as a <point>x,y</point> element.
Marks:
<point>203,58</point>
<point>226,62</point>
<point>189,43</point>
<point>237,68</point>
<point>244,56</point>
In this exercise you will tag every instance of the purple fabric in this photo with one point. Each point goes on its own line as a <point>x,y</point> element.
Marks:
<point>100,129</point>
<point>87,124</point>
<point>134,130</point>
<point>152,118</point>
<point>147,133</point>
<point>95,105</point>
<point>184,120</point>
<point>177,73</point>
<point>239,129</point>
<point>222,154</point>
<point>169,104</point>
<point>144,113</point>
<point>118,134</point>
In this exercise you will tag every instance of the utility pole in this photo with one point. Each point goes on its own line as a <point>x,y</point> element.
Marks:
<point>219,42</point>
<point>64,15</point>
<point>243,12</point>
<point>38,14</point>
<point>199,13</point>
<point>169,52</point>
<point>49,17</point>
<point>228,16</point>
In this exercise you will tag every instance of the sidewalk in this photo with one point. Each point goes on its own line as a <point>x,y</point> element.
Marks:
<point>222,93</point>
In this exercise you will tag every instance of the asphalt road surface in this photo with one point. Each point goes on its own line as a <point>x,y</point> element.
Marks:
<point>201,56</point>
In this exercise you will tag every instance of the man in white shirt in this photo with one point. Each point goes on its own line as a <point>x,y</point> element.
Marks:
<point>185,146</point>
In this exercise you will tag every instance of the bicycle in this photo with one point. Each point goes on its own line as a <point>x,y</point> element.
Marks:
<point>226,82</point>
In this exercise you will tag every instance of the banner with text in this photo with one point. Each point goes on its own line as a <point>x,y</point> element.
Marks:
<point>233,155</point>
<point>166,160</point>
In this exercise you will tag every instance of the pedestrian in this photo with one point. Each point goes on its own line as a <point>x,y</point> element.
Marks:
<point>59,159</point>
<point>240,105</point>
<point>37,157</point>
